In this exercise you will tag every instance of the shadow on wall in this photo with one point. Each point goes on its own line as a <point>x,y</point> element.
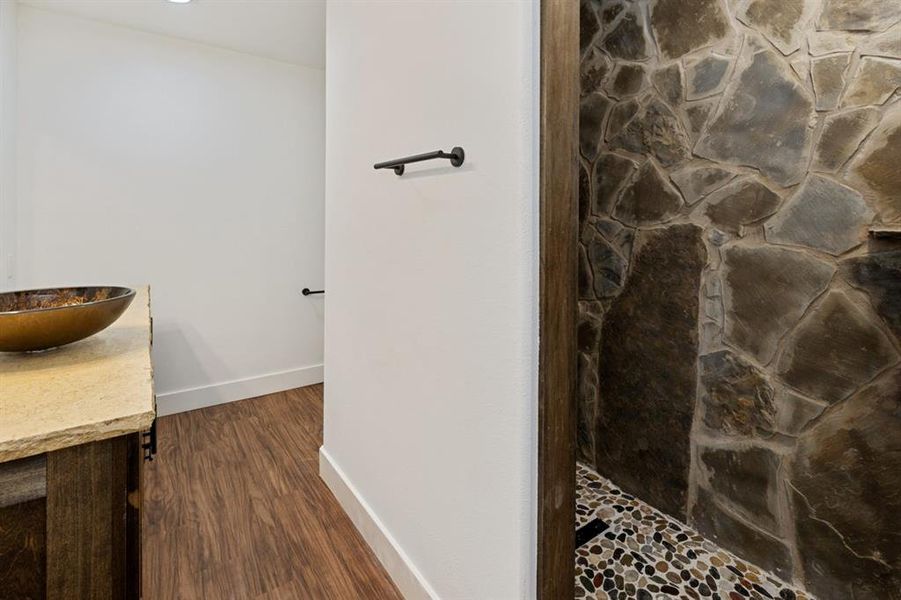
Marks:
<point>740,334</point>
<point>178,349</point>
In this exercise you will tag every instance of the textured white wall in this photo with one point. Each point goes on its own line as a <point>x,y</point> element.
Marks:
<point>7,143</point>
<point>431,329</point>
<point>198,170</point>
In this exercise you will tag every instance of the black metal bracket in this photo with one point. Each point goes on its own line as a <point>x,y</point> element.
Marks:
<point>309,292</point>
<point>456,157</point>
<point>149,445</point>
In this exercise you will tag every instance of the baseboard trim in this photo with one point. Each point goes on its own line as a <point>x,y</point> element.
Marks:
<point>402,571</point>
<point>239,389</point>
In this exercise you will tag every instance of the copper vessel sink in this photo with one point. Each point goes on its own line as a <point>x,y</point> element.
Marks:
<point>34,320</point>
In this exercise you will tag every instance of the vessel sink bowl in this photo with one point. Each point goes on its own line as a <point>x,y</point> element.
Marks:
<point>35,320</point>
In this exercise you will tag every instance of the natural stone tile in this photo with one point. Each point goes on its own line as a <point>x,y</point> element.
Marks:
<point>627,38</point>
<point>782,22</point>
<point>828,74</point>
<point>637,392</point>
<point>656,131</point>
<point>627,80</point>
<point>614,232</point>
<point>769,102</point>
<point>593,70</point>
<point>584,194</point>
<point>695,182</point>
<point>794,411</point>
<point>698,113</point>
<point>886,44</point>
<point>821,43</point>
<point>668,82</point>
<point>608,268</point>
<point>858,15</point>
<point>841,136</point>
<point>682,27</point>
<point>707,76</point>
<point>748,477</point>
<point>648,199</point>
<point>592,111</point>
<point>588,24</point>
<point>822,215</point>
<point>620,115</point>
<point>648,369</point>
<point>877,79</point>
<point>736,396</point>
<point>846,477</point>
<point>766,291</point>
<point>733,534</point>
<point>875,168</point>
<point>879,275</point>
<point>717,237</point>
<point>835,350</point>
<point>587,406</point>
<point>741,203</point>
<point>611,172</point>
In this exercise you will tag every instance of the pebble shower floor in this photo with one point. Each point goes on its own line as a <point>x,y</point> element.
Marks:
<point>626,549</point>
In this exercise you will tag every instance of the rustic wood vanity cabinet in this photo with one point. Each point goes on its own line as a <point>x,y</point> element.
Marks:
<point>72,446</point>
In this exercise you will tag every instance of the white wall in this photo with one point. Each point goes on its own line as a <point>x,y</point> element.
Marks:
<point>7,143</point>
<point>431,329</point>
<point>198,170</point>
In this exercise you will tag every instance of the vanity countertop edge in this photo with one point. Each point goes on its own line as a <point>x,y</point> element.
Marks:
<point>95,389</point>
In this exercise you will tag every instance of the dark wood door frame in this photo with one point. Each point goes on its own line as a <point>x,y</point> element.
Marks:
<point>558,230</point>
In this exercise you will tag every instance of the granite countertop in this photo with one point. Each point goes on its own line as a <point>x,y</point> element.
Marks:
<point>95,389</point>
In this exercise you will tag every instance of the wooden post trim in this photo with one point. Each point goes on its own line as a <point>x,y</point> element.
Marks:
<point>558,212</point>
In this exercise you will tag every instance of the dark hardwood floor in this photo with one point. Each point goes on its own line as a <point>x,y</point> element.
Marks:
<point>234,509</point>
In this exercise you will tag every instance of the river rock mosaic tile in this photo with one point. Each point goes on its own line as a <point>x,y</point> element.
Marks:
<point>643,554</point>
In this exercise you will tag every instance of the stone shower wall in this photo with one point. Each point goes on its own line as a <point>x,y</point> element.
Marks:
<point>740,331</point>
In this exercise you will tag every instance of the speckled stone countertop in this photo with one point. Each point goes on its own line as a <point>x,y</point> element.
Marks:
<point>95,389</point>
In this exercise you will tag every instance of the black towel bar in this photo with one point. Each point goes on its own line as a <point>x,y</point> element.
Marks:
<point>456,156</point>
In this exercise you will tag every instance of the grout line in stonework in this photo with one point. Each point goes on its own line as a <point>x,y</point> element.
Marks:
<point>843,168</point>
<point>835,406</point>
<point>790,526</point>
<point>727,506</point>
<point>649,30</point>
<point>813,516</point>
<point>809,310</point>
<point>779,444</point>
<point>693,463</point>
<point>862,297</point>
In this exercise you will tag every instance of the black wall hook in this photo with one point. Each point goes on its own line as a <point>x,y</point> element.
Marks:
<point>456,156</point>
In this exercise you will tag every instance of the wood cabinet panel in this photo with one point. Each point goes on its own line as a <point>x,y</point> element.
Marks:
<point>22,550</point>
<point>86,521</point>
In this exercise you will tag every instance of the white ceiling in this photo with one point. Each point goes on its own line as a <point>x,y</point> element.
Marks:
<point>288,30</point>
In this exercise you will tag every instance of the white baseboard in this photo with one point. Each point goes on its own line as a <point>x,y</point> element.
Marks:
<point>404,573</point>
<point>230,391</point>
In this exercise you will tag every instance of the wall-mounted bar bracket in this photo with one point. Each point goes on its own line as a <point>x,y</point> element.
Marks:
<point>456,157</point>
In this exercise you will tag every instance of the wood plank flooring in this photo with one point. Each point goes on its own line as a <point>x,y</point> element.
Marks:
<point>234,509</point>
